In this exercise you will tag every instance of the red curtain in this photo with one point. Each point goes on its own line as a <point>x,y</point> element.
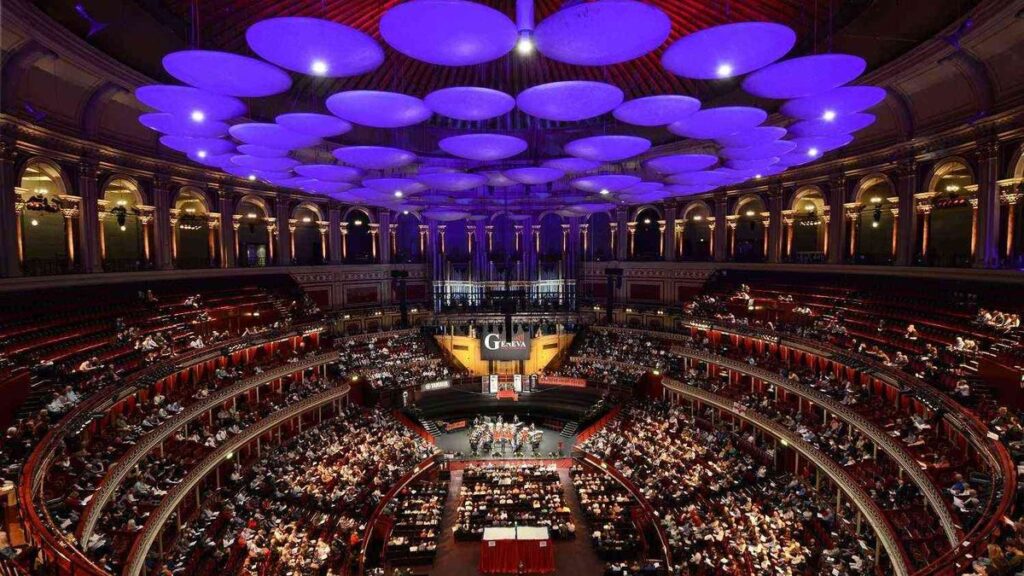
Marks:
<point>504,556</point>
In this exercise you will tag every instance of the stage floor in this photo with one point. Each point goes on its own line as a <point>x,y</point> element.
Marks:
<point>457,443</point>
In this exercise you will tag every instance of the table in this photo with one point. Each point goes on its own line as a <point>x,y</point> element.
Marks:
<point>502,549</point>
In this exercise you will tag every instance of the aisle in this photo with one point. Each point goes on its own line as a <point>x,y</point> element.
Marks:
<point>572,558</point>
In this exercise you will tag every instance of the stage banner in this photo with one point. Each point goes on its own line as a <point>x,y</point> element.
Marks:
<point>494,347</point>
<point>517,382</point>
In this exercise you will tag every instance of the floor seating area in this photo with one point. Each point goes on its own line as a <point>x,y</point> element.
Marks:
<point>512,495</point>
<point>415,518</point>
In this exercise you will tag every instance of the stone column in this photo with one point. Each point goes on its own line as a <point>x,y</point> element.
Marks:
<point>986,254</point>
<point>895,228</point>
<point>622,236</point>
<point>852,213</point>
<point>91,255</point>
<point>720,240</point>
<point>71,213</point>
<point>1012,198</point>
<point>731,222</point>
<point>906,232</point>
<point>837,222</point>
<point>974,202</point>
<point>334,236</point>
<point>282,210</point>
<point>10,222</point>
<point>228,229</point>
<point>631,230</point>
<point>384,240</point>
<point>671,232</point>
<point>924,208</point>
<point>162,230</point>
<point>775,198</point>
<point>788,222</point>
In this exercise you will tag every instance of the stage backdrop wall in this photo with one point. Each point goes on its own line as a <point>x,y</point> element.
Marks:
<point>542,350</point>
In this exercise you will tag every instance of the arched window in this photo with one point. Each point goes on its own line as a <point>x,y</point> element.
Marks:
<point>405,244</point>
<point>600,237</point>
<point>309,243</point>
<point>695,244</point>
<point>253,240</point>
<point>125,227</point>
<point>553,240</point>
<point>874,241</point>
<point>947,224</point>
<point>749,234</point>
<point>805,228</point>
<point>360,248</point>
<point>646,235</point>
<point>45,233</point>
<point>194,241</point>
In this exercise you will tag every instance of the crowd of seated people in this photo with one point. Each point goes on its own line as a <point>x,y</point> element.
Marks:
<point>393,361</point>
<point>302,508</point>
<point>623,366</point>
<point>606,505</point>
<point>512,495</point>
<point>722,511</point>
<point>416,511</point>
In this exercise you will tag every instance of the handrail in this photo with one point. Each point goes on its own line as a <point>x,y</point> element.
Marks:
<point>876,434</point>
<point>636,494</point>
<point>127,462</point>
<point>171,500</point>
<point>38,462</point>
<point>865,505</point>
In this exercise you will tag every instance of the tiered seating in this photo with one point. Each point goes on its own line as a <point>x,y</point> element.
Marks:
<point>606,505</point>
<point>512,495</point>
<point>416,523</point>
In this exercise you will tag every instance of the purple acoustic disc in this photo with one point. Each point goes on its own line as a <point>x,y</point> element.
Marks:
<point>804,76</point>
<point>644,197</point>
<point>378,109</point>
<point>406,186</point>
<point>772,149</point>
<point>320,125</point>
<point>197,146</point>
<point>571,165</point>
<point>602,33</point>
<point>815,146</point>
<point>834,103</point>
<point>214,160</point>
<point>183,125</point>
<point>676,163</point>
<point>272,136</point>
<point>445,215</point>
<point>752,164</point>
<point>329,172</point>
<point>255,174</point>
<point>263,151</point>
<point>227,73</point>
<point>452,181</point>
<point>374,157</point>
<point>469,103</point>
<point>687,190</point>
<point>608,148</point>
<point>656,110</point>
<point>773,170</point>
<point>483,147</point>
<point>838,125</point>
<point>702,178</point>
<point>192,103</point>
<point>269,164</point>
<point>718,122</point>
<point>733,176</point>
<point>728,50</point>
<point>752,137</point>
<point>294,182</point>
<point>314,46</point>
<point>643,188</point>
<point>609,182</point>
<point>448,32</point>
<point>569,101</point>
<point>534,175</point>
<point>591,208</point>
<point>498,180</point>
<point>327,186</point>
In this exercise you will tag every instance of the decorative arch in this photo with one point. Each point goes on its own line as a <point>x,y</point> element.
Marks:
<point>1017,163</point>
<point>192,197</point>
<point>193,242</point>
<point>358,208</point>
<point>125,227</point>
<point>696,206</point>
<point>545,214</point>
<point>45,238</point>
<point>743,201</point>
<point>870,181</point>
<point>358,246</point>
<point>253,200</point>
<point>804,193</point>
<point>310,206</point>
<point>944,167</point>
<point>48,168</point>
<point>638,210</point>
<point>121,184</point>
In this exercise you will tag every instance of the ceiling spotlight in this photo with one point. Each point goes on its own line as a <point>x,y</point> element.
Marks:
<point>524,46</point>
<point>251,215</point>
<point>252,177</point>
<point>874,224</point>
<point>757,176</point>
<point>813,152</point>
<point>35,222</point>
<point>697,217</point>
<point>201,153</point>
<point>318,67</point>
<point>306,219</point>
<point>647,220</point>
<point>123,228</point>
<point>405,212</point>
<point>724,70</point>
<point>829,115</point>
<point>398,194</point>
<point>198,116</point>
<point>750,212</point>
<point>604,192</point>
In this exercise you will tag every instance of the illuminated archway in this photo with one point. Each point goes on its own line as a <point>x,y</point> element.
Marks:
<point>254,238</point>
<point>193,241</point>
<point>125,226</point>
<point>748,233</point>
<point>697,237</point>
<point>805,232</point>
<point>46,233</point>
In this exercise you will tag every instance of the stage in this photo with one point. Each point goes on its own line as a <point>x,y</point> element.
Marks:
<point>457,443</point>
